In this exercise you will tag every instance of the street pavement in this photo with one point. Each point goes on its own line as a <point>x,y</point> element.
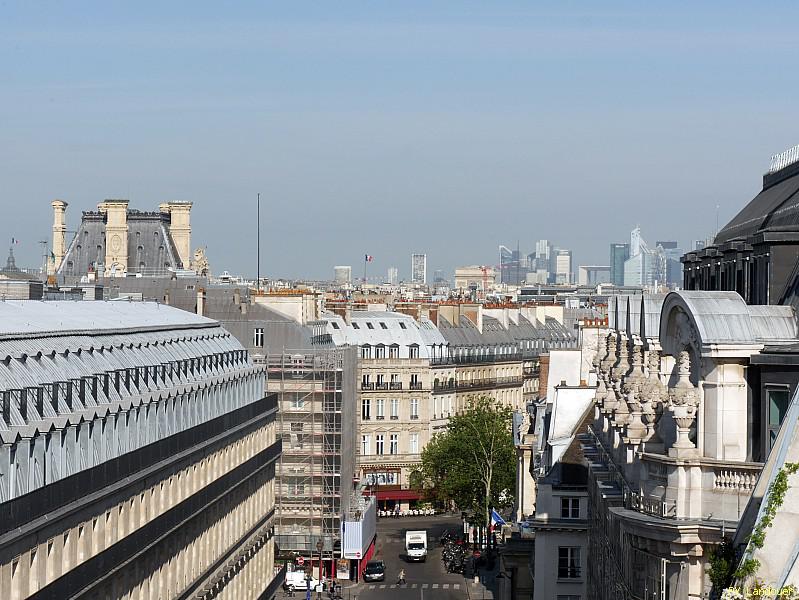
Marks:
<point>427,580</point>
<point>424,581</point>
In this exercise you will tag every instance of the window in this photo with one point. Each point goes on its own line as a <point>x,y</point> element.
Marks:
<point>413,351</point>
<point>380,408</point>
<point>335,325</point>
<point>395,408</point>
<point>414,408</point>
<point>369,325</point>
<point>568,562</point>
<point>415,383</point>
<point>365,383</point>
<point>777,406</point>
<point>380,351</point>
<point>393,351</point>
<point>258,337</point>
<point>296,428</point>
<point>402,325</point>
<point>379,443</point>
<point>356,326</point>
<point>366,444</point>
<point>366,409</point>
<point>414,443</point>
<point>366,351</point>
<point>383,325</point>
<point>297,401</point>
<point>393,443</point>
<point>569,508</point>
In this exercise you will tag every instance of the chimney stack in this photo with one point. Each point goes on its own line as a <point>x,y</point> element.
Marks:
<point>59,235</point>
<point>116,236</point>
<point>180,228</point>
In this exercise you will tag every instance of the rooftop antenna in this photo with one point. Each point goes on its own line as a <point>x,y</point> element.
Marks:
<point>258,280</point>
<point>717,220</point>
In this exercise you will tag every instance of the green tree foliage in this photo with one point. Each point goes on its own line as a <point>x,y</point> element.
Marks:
<point>473,462</point>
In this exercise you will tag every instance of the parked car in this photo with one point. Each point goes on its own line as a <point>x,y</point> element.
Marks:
<point>375,571</point>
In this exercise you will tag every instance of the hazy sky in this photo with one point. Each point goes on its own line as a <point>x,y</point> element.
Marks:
<point>392,127</point>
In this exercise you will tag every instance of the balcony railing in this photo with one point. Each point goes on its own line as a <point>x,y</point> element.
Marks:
<point>395,385</point>
<point>366,385</point>
<point>480,384</point>
<point>415,385</point>
<point>476,359</point>
<point>381,386</point>
<point>633,500</point>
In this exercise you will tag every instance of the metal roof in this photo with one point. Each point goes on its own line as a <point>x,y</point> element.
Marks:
<point>84,318</point>
<point>387,329</point>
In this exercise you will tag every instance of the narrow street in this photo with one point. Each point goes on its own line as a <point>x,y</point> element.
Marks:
<point>424,580</point>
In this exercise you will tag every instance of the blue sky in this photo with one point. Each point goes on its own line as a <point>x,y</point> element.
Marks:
<point>393,127</point>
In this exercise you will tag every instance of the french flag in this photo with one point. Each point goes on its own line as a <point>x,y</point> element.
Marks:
<point>496,519</point>
<point>369,258</point>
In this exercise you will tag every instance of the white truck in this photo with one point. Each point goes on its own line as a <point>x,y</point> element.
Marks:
<point>298,581</point>
<point>416,545</point>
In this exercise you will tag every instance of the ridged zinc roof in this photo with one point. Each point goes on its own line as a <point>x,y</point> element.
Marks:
<point>652,304</point>
<point>400,329</point>
<point>31,317</point>
<point>774,324</point>
<point>724,318</point>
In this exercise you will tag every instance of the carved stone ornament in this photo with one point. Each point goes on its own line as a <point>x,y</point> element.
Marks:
<point>610,353</point>
<point>635,381</point>
<point>686,334</point>
<point>684,393</point>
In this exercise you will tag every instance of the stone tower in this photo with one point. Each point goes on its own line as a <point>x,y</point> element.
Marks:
<point>116,236</point>
<point>59,235</point>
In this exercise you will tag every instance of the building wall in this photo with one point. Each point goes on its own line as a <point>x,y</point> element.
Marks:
<point>404,424</point>
<point>151,478</point>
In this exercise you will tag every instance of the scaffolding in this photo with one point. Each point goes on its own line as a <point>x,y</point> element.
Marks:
<point>316,422</point>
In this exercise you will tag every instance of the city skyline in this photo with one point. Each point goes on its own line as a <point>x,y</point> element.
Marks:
<point>361,128</point>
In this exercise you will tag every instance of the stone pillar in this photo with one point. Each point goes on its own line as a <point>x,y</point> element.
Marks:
<point>59,235</point>
<point>180,228</point>
<point>724,415</point>
<point>116,236</point>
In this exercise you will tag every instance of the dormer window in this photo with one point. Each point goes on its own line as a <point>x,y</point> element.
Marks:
<point>369,325</point>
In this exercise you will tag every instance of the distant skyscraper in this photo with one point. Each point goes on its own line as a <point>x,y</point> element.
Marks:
<point>393,276</point>
<point>563,266</point>
<point>438,276</point>
<point>641,268</point>
<point>619,253</point>
<point>343,274</point>
<point>419,268</point>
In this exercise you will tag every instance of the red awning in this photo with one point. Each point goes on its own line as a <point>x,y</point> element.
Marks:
<point>398,495</point>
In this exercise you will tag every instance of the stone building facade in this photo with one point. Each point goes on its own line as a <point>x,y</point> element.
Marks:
<point>670,452</point>
<point>116,240</point>
<point>396,404</point>
<point>137,455</point>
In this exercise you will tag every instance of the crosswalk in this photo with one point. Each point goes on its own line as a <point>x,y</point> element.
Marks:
<point>414,586</point>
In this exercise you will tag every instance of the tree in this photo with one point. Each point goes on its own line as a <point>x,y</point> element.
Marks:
<point>473,462</point>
